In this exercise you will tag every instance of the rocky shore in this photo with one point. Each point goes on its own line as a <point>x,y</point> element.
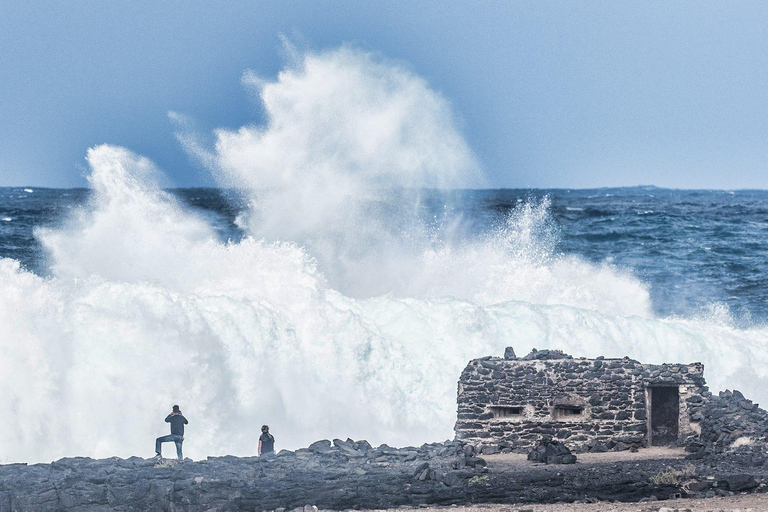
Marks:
<point>344,475</point>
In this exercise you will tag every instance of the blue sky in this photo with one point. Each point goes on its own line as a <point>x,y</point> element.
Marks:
<point>548,94</point>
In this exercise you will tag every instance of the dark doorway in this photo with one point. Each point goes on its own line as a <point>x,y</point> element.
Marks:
<point>665,414</point>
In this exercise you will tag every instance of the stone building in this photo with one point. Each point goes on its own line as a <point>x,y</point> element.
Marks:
<point>589,404</point>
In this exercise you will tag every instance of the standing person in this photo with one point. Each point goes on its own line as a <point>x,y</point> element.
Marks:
<point>177,421</point>
<point>266,442</point>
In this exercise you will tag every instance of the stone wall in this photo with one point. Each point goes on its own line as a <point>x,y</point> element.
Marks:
<point>730,422</point>
<point>598,404</point>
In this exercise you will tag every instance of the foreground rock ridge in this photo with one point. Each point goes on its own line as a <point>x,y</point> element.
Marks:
<point>348,474</point>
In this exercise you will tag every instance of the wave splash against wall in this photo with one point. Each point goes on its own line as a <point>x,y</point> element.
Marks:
<point>345,312</point>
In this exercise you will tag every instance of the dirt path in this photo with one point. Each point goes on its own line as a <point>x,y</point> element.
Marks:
<point>740,503</point>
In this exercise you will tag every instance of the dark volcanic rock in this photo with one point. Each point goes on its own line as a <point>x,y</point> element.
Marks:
<point>323,446</point>
<point>549,451</point>
<point>341,475</point>
<point>385,477</point>
<point>738,482</point>
<point>546,354</point>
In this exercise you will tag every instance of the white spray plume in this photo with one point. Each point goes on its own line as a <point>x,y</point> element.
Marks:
<point>130,230</point>
<point>519,261</point>
<point>346,132</point>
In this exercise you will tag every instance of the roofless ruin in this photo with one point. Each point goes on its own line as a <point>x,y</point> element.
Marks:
<point>600,404</point>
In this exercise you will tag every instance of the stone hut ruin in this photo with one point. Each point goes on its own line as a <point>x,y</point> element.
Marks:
<point>508,404</point>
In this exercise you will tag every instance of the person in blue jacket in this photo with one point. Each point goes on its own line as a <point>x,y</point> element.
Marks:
<point>177,421</point>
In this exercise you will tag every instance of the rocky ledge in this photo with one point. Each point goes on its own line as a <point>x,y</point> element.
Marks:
<point>348,474</point>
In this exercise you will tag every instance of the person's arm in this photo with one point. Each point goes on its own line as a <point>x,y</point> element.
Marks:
<point>168,418</point>
<point>259,447</point>
<point>185,420</point>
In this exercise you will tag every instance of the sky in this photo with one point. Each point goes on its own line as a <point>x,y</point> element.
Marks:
<point>547,94</point>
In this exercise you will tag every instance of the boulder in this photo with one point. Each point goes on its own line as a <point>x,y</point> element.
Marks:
<point>322,446</point>
<point>737,483</point>
<point>550,451</point>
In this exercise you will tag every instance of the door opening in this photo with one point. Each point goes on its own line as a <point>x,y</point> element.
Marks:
<point>664,415</point>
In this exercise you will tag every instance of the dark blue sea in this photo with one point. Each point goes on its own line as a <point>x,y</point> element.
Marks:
<point>693,248</point>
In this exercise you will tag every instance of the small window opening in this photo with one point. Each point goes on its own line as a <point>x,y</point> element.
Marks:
<point>566,412</point>
<point>505,411</point>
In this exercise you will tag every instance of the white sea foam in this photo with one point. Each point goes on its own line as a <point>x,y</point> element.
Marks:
<point>347,135</point>
<point>146,308</point>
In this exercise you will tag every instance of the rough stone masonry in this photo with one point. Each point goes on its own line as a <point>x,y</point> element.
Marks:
<point>508,404</point>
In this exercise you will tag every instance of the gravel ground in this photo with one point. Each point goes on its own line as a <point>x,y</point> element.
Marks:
<point>650,453</point>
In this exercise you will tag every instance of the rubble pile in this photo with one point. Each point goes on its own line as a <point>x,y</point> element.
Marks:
<point>549,451</point>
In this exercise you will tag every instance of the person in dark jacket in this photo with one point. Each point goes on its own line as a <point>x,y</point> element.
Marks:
<point>266,442</point>
<point>177,421</point>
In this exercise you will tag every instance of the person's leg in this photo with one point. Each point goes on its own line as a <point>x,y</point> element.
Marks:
<point>159,441</point>
<point>178,440</point>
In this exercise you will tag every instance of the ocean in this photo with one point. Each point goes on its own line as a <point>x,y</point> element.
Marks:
<point>695,250</point>
<point>120,301</point>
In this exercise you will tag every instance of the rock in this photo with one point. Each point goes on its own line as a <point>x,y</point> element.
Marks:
<point>420,469</point>
<point>546,354</point>
<point>737,483</point>
<point>473,462</point>
<point>509,353</point>
<point>551,452</point>
<point>452,479</point>
<point>364,446</point>
<point>622,415</point>
<point>620,446</point>
<point>322,446</point>
<point>700,486</point>
<point>746,404</point>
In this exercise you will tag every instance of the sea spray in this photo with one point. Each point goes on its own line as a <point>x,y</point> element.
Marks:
<point>246,333</point>
<point>348,141</point>
<point>344,311</point>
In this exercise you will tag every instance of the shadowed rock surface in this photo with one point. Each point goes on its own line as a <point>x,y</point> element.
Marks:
<point>349,474</point>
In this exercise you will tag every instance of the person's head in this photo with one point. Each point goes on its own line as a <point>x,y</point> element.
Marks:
<point>176,408</point>
<point>265,428</point>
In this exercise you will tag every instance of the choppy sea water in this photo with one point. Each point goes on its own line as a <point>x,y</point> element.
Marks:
<point>695,249</point>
